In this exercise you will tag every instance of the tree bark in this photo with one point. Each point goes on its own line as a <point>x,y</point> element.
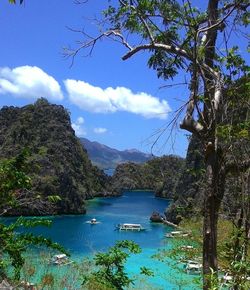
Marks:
<point>214,190</point>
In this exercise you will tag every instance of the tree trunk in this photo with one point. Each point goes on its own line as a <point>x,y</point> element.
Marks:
<point>214,191</point>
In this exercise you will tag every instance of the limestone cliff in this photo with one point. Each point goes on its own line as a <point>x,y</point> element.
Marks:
<point>234,135</point>
<point>188,187</point>
<point>58,164</point>
<point>159,174</point>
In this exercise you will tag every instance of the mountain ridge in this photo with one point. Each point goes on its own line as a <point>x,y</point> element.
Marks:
<point>106,157</point>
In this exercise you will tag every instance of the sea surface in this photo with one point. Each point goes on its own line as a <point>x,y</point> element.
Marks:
<point>82,239</point>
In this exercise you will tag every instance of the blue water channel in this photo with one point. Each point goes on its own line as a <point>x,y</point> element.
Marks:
<point>82,239</point>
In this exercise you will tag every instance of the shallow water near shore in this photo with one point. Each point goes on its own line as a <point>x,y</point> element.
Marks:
<point>82,239</point>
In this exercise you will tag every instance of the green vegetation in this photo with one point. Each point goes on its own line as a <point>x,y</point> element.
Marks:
<point>160,174</point>
<point>191,249</point>
<point>13,245</point>
<point>57,163</point>
<point>102,271</point>
<point>111,273</point>
<point>14,1</point>
<point>12,179</point>
<point>180,37</point>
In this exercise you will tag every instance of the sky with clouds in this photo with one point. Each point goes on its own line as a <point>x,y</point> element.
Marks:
<point>118,103</point>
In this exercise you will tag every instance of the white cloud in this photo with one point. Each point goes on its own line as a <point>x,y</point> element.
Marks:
<point>79,130</point>
<point>109,100</point>
<point>80,120</point>
<point>77,126</point>
<point>29,82</point>
<point>88,97</point>
<point>100,130</point>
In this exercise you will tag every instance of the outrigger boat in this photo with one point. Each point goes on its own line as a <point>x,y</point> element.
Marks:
<point>188,248</point>
<point>93,222</point>
<point>130,227</point>
<point>60,260</point>
<point>177,234</point>
<point>193,267</point>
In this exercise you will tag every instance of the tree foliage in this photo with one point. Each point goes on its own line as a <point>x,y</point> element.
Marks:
<point>159,174</point>
<point>13,243</point>
<point>14,1</point>
<point>111,266</point>
<point>13,179</point>
<point>181,38</point>
<point>57,163</point>
<point>16,188</point>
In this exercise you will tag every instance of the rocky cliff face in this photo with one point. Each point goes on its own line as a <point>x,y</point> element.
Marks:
<point>58,164</point>
<point>159,174</point>
<point>234,136</point>
<point>188,187</point>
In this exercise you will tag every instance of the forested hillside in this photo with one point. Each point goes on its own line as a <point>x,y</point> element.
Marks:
<point>58,164</point>
<point>159,174</point>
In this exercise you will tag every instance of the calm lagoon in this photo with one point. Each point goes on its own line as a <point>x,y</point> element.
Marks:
<point>82,239</point>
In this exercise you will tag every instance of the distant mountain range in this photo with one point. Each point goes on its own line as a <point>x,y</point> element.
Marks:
<point>105,157</point>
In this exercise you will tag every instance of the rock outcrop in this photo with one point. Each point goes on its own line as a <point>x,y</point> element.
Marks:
<point>234,135</point>
<point>58,164</point>
<point>187,193</point>
<point>160,174</point>
<point>156,217</point>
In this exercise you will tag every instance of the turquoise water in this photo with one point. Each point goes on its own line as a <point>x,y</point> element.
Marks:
<point>82,239</point>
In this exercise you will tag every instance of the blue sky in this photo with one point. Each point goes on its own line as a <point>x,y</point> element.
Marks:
<point>118,103</point>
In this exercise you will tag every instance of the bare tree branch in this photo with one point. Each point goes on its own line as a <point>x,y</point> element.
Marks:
<point>25,199</point>
<point>168,48</point>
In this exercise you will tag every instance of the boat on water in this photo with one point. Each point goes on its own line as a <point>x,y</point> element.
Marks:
<point>130,227</point>
<point>60,260</point>
<point>193,267</point>
<point>187,248</point>
<point>177,234</point>
<point>93,222</point>
<point>227,280</point>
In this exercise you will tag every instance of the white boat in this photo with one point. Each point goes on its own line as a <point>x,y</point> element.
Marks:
<point>193,267</point>
<point>60,259</point>
<point>130,227</point>
<point>93,222</point>
<point>177,234</point>
<point>227,280</point>
<point>187,248</point>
